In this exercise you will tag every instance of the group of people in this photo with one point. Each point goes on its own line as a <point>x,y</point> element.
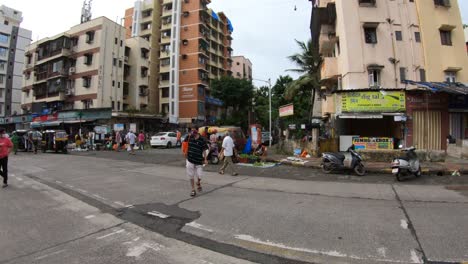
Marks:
<point>129,140</point>
<point>197,157</point>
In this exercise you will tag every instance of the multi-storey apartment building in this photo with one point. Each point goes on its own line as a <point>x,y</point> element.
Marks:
<point>13,41</point>
<point>88,66</point>
<point>190,44</point>
<point>241,67</point>
<point>371,49</point>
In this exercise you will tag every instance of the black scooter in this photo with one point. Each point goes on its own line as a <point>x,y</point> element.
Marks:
<point>343,160</point>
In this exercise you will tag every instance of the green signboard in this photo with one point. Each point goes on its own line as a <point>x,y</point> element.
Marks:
<point>373,101</point>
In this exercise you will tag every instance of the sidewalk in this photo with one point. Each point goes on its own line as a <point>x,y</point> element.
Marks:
<point>447,167</point>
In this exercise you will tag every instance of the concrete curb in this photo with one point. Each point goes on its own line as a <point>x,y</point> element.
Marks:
<point>372,170</point>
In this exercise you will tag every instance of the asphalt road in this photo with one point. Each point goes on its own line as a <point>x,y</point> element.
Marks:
<point>73,208</point>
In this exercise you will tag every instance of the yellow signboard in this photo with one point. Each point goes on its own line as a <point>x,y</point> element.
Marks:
<point>378,101</point>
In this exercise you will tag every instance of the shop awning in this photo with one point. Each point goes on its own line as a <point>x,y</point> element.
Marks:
<point>45,124</point>
<point>360,116</point>
<point>78,121</point>
<point>452,88</point>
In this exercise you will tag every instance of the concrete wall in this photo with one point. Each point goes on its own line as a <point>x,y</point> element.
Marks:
<point>356,54</point>
<point>437,56</point>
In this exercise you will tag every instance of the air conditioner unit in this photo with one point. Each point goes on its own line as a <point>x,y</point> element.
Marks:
<point>72,70</point>
<point>69,92</point>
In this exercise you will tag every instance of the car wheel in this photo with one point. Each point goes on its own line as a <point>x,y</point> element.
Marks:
<point>169,145</point>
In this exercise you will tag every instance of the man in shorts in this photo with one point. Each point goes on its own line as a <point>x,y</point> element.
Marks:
<point>196,158</point>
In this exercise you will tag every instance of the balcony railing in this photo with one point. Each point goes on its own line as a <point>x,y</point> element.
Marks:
<point>329,68</point>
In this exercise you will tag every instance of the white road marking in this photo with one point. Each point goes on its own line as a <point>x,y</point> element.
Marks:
<point>90,216</point>
<point>332,253</point>
<point>129,206</point>
<point>414,257</point>
<point>111,234</point>
<point>139,250</point>
<point>99,197</point>
<point>119,203</point>
<point>59,182</point>
<point>403,224</point>
<point>382,252</point>
<point>136,239</point>
<point>199,226</point>
<point>83,191</point>
<point>278,245</point>
<point>158,214</point>
<point>51,254</point>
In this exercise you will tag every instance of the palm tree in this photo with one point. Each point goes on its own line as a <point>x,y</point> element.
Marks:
<point>309,63</point>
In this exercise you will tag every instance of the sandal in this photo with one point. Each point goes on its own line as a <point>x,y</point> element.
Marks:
<point>193,193</point>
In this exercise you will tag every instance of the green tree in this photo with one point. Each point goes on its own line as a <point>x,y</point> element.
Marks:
<point>237,96</point>
<point>308,62</point>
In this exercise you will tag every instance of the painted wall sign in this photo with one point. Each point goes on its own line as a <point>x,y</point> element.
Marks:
<point>376,143</point>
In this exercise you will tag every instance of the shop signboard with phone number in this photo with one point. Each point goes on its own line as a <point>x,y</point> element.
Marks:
<point>373,101</point>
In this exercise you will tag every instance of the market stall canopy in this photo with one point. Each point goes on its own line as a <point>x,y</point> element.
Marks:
<point>452,88</point>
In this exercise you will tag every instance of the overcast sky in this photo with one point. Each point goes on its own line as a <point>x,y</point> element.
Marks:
<point>264,30</point>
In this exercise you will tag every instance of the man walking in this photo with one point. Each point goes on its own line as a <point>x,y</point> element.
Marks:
<point>179,136</point>
<point>196,157</point>
<point>228,148</point>
<point>141,140</point>
<point>5,149</point>
<point>118,140</point>
<point>130,138</point>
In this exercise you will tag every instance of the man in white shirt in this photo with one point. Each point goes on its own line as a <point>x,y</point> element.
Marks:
<point>228,148</point>
<point>131,138</point>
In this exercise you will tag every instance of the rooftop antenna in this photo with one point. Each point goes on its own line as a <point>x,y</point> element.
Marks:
<point>86,11</point>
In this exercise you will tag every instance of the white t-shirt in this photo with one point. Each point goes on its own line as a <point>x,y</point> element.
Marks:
<point>131,137</point>
<point>228,146</point>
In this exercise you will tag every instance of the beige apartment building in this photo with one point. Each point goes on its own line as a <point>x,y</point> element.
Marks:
<point>241,67</point>
<point>371,48</point>
<point>190,45</point>
<point>83,68</point>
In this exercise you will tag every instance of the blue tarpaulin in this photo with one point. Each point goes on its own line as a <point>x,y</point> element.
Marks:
<point>453,88</point>
<point>229,24</point>
<point>214,15</point>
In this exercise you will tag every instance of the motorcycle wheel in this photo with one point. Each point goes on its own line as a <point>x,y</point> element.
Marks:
<point>418,173</point>
<point>327,167</point>
<point>359,169</point>
<point>214,160</point>
<point>398,177</point>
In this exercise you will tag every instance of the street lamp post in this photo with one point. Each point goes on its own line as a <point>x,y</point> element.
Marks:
<point>269,101</point>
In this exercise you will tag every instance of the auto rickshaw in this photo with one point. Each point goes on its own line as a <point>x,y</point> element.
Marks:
<point>22,140</point>
<point>55,140</point>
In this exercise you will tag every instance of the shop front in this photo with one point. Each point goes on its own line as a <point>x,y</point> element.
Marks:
<point>371,120</point>
<point>428,120</point>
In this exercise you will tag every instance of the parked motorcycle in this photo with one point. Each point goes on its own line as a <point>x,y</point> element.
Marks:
<point>213,153</point>
<point>407,165</point>
<point>343,160</point>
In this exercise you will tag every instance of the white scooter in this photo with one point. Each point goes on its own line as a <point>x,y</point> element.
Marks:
<point>407,165</point>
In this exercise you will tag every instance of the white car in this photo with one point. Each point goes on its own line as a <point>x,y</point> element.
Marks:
<point>164,139</point>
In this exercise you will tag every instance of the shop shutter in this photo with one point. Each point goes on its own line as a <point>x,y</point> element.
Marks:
<point>456,125</point>
<point>427,130</point>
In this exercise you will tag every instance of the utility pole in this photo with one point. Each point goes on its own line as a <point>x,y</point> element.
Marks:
<point>269,101</point>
